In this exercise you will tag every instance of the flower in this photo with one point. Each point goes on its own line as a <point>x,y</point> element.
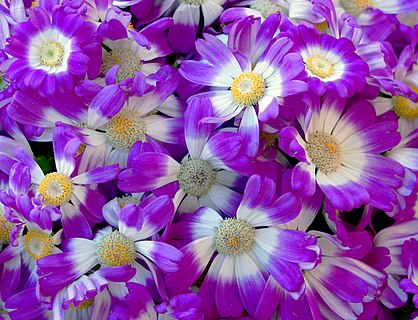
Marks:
<point>340,152</point>
<point>52,53</point>
<point>248,249</point>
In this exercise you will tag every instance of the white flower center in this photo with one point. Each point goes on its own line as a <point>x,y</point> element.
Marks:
<point>406,108</point>
<point>267,7</point>
<point>234,236</point>
<point>125,200</point>
<point>192,2</point>
<point>5,228</point>
<point>356,7</point>
<point>38,244</point>
<point>124,129</point>
<point>248,88</point>
<point>324,151</point>
<point>51,53</point>
<point>56,189</point>
<point>114,249</point>
<point>320,66</point>
<point>128,61</point>
<point>196,177</point>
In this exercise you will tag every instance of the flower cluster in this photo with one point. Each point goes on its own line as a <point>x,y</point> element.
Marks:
<point>208,159</point>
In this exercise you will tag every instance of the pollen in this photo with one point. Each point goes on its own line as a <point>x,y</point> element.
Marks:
<point>196,177</point>
<point>192,2</point>
<point>51,53</point>
<point>267,7</point>
<point>5,228</point>
<point>248,88</point>
<point>125,200</point>
<point>320,66</point>
<point>406,108</point>
<point>55,189</point>
<point>324,151</point>
<point>356,7</point>
<point>271,139</point>
<point>128,61</point>
<point>83,305</point>
<point>322,26</point>
<point>38,244</point>
<point>114,249</point>
<point>124,129</point>
<point>234,237</point>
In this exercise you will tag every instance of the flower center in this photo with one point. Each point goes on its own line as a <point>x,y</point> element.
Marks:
<point>38,244</point>
<point>128,61</point>
<point>234,236</point>
<point>322,26</point>
<point>5,228</point>
<point>3,83</point>
<point>83,305</point>
<point>406,108</point>
<point>196,177</point>
<point>114,249</point>
<point>125,200</point>
<point>124,129</point>
<point>56,189</point>
<point>320,66</point>
<point>192,2</point>
<point>356,7</point>
<point>51,53</point>
<point>266,7</point>
<point>248,88</point>
<point>271,139</point>
<point>324,151</point>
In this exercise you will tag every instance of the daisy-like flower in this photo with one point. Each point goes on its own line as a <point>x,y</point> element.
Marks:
<point>77,203</point>
<point>52,54</point>
<point>248,250</point>
<point>124,246</point>
<point>331,64</point>
<point>112,126</point>
<point>203,175</point>
<point>341,152</point>
<point>142,51</point>
<point>237,86</point>
<point>357,7</point>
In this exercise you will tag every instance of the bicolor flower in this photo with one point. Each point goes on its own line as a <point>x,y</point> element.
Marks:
<point>357,7</point>
<point>340,152</point>
<point>78,204</point>
<point>331,64</point>
<point>122,247</point>
<point>237,86</point>
<point>52,53</point>
<point>204,175</point>
<point>248,249</point>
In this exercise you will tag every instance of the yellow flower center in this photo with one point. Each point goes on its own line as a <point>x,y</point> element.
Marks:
<point>324,151</point>
<point>84,305</point>
<point>5,228</point>
<point>38,244</point>
<point>248,88</point>
<point>124,129</point>
<point>320,66</point>
<point>271,138</point>
<point>51,53</point>
<point>322,26</point>
<point>234,236</point>
<point>406,108</point>
<point>56,189</point>
<point>114,249</point>
<point>128,61</point>
<point>34,4</point>
<point>356,7</point>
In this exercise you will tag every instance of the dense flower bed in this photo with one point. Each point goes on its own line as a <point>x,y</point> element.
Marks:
<point>209,159</point>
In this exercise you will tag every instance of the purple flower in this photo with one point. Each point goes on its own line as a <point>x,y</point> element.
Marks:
<point>52,53</point>
<point>249,249</point>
